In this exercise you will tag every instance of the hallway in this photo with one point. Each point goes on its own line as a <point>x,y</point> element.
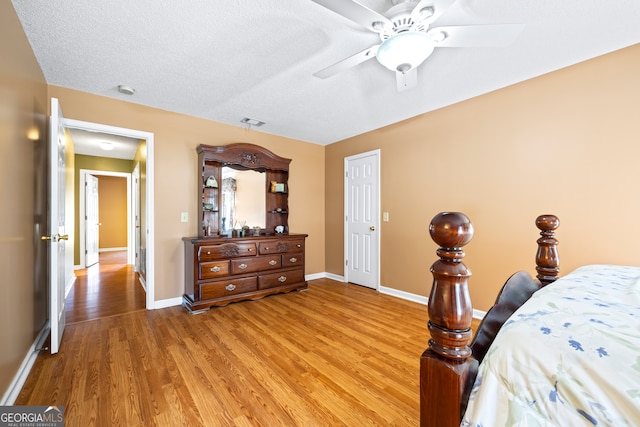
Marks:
<point>108,288</point>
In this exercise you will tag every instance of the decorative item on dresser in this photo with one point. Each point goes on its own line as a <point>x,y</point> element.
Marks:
<point>232,260</point>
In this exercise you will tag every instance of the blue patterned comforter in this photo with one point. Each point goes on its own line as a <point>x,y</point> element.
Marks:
<point>570,356</point>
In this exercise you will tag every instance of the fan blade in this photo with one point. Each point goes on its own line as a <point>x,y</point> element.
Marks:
<point>476,35</point>
<point>347,63</point>
<point>358,13</point>
<point>407,80</point>
<point>438,6</point>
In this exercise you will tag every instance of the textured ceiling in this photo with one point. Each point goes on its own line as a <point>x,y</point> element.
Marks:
<point>225,60</point>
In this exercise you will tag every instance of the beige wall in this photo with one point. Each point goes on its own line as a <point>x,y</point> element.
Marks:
<point>564,143</point>
<point>176,137</point>
<point>23,110</point>
<point>112,207</point>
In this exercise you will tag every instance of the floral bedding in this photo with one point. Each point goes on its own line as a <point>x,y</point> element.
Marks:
<point>570,356</point>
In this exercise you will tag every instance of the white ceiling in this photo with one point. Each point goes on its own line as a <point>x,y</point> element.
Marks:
<point>226,60</point>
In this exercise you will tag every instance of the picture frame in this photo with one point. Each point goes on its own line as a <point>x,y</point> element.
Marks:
<point>278,187</point>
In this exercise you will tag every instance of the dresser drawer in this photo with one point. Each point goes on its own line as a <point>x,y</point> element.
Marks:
<point>280,246</point>
<point>280,279</point>
<point>209,270</point>
<point>226,250</point>
<point>293,260</point>
<point>228,287</point>
<point>251,265</point>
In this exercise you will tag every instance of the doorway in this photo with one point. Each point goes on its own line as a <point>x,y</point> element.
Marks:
<point>85,221</point>
<point>362,219</point>
<point>145,220</point>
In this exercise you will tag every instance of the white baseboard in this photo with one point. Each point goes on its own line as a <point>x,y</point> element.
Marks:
<point>69,286</point>
<point>314,276</point>
<point>477,314</point>
<point>112,249</point>
<point>171,302</point>
<point>20,378</point>
<point>333,277</point>
<point>403,295</point>
<point>142,282</point>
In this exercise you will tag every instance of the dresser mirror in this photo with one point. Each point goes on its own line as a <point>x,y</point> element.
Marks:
<point>242,185</point>
<point>243,199</point>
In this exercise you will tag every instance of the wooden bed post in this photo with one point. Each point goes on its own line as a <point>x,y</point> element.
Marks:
<point>547,259</point>
<point>447,368</point>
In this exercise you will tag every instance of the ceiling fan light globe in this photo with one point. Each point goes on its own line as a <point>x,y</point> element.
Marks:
<point>405,50</point>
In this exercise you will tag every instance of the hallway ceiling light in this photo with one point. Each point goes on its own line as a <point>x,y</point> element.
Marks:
<point>107,146</point>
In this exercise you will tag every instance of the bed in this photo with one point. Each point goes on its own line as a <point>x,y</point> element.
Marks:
<point>550,352</point>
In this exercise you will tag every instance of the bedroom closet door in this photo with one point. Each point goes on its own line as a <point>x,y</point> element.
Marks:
<point>362,219</point>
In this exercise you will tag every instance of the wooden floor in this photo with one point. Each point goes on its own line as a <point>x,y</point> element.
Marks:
<point>108,288</point>
<point>337,354</point>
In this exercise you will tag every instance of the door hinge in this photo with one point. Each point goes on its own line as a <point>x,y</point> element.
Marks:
<point>346,263</point>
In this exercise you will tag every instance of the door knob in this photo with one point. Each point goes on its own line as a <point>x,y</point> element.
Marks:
<point>372,228</point>
<point>55,238</point>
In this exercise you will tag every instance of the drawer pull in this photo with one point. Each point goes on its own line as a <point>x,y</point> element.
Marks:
<point>273,262</point>
<point>215,269</point>
<point>230,287</point>
<point>299,246</point>
<point>293,259</point>
<point>242,266</point>
<point>282,279</point>
<point>249,249</point>
<point>266,248</point>
<point>208,253</point>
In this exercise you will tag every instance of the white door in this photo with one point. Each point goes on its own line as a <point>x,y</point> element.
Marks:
<point>92,220</point>
<point>362,216</point>
<point>58,234</point>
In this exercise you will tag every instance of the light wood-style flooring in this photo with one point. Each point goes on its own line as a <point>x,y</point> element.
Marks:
<point>108,288</point>
<point>337,354</point>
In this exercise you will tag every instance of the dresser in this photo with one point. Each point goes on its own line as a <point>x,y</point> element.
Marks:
<point>222,270</point>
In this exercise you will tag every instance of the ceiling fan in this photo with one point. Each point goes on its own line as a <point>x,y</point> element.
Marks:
<point>406,39</point>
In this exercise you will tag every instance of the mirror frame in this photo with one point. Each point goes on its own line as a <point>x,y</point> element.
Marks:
<point>244,156</point>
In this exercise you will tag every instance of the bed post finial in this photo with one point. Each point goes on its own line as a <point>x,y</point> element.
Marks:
<point>447,368</point>
<point>547,259</point>
<point>450,311</point>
